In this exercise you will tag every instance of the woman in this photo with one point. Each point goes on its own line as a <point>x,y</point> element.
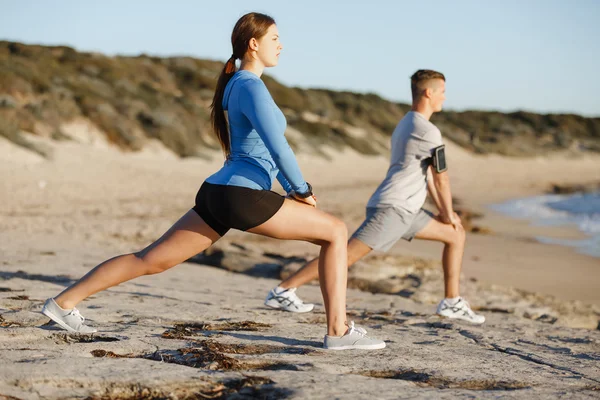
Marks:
<point>238,196</point>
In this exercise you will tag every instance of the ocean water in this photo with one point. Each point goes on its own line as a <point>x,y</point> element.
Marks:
<point>581,210</point>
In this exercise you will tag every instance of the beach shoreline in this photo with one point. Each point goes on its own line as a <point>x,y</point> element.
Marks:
<point>175,335</point>
<point>83,183</point>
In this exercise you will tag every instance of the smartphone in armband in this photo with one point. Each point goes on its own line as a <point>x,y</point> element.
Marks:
<point>439,159</point>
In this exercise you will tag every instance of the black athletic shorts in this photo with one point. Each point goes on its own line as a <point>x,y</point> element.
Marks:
<point>224,207</point>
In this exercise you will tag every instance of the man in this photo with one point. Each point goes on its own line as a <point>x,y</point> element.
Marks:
<point>394,211</point>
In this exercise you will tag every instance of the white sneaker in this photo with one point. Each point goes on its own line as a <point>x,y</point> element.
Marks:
<point>459,310</point>
<point>70,320</point>
<point>355,338</point>
<point>287,300</point>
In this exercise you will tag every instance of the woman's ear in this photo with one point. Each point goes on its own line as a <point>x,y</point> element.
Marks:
<point>253,44</point>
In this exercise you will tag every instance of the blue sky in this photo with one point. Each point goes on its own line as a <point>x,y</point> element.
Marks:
<point>536,55</point>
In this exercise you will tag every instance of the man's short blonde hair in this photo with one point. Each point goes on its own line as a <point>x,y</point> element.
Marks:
<point>419,79</point>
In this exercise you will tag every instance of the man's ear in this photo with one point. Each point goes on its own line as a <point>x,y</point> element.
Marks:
<point>428,92</point>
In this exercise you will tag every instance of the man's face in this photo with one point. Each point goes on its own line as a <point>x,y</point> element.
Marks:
<point>438,94</point>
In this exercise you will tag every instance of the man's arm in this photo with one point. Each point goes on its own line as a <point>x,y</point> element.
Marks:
<point>441,184</point>
<point>432,190</point>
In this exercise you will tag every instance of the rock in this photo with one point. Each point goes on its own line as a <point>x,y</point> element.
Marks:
<point>375,271</point>
<point>7,101</point>
<point>479,229</point>
<point>161,350</point>
<point>290,268</point>
<point>589,187</point>
<point>248,259</point>
<point>467,217</point>
<point>413,278</point>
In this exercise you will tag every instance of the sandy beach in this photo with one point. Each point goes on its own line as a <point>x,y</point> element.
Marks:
<point>61,216</point>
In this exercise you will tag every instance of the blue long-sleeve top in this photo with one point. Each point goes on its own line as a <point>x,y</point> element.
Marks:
<point>259,151</point>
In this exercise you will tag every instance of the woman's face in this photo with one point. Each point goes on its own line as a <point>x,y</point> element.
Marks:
<point>269,47</point>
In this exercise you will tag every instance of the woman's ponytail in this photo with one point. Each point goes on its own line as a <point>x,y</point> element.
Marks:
<point>217,114</point>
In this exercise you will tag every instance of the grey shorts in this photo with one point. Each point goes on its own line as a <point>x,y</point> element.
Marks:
<point>385,226</point>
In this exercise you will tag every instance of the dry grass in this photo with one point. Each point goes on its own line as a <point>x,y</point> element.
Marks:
<point>183,330</point>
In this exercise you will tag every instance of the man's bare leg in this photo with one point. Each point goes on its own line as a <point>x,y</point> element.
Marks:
<point>453,306</point>
<point>454,246</point>
<point>356,251</point>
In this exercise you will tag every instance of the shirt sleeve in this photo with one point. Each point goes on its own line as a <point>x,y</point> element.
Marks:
<point>258,106</point>
<point>284,182</point>
<point>431,139</point>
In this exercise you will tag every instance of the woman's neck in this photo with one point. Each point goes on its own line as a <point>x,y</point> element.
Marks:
<point>253,66</point>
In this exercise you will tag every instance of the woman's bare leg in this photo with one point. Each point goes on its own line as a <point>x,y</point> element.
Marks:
<point>298,221</point>
<point>186,238</point>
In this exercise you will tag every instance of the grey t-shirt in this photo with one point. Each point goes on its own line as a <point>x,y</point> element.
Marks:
<point>405,185</point>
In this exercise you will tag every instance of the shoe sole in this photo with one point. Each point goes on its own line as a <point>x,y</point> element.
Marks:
<point>352,347</point>
<point>276,306</point>
<point>54,318</point>
<point>461,319</point>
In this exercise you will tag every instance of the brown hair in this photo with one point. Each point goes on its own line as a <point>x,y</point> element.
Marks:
<point>420,78</point>
<point>251,25</point>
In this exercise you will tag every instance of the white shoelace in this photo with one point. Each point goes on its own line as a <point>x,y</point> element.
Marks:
<point>465,307</point>
<point>75,313</point>
<point>293,296</point>
<point>359,330</point>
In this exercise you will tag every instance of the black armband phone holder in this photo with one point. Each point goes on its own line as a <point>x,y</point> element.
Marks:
<point>439,159</point>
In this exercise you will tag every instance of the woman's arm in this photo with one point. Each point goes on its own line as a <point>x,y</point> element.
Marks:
<point>258,107</point>
<point>284,183</point>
